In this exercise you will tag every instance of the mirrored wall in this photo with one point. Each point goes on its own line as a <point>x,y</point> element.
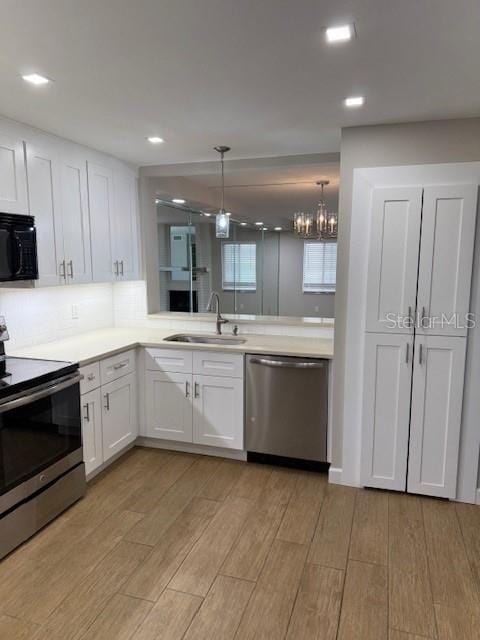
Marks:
<point>263,267</point>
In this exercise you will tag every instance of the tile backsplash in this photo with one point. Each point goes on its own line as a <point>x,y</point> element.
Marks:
<point>40,315</point>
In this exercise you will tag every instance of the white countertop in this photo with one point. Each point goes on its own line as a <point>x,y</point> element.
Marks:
<point>93,345</point>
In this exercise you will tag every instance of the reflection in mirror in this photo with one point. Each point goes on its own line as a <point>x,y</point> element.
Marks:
<point>264,267</point>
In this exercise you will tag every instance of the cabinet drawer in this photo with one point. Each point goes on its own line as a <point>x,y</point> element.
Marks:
<point>213,363</point>
<point>91,377</point>
<point>117,366</point>
<point>175,360</point>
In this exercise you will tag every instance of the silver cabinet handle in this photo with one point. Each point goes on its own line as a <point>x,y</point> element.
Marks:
<point>290,364</point>
<point>115,267</point>
<point>70,264</point>
<point>120,365</point>
<point>410,314</point>
<point>196,391</point>
<point>187,389</point>
<point>107,401</point>
<point>420,353</point>
<point>62,269</point>
<point>121,265</point>
<point>87,412</point>
<point>90,377</point>
<point>407,354</point>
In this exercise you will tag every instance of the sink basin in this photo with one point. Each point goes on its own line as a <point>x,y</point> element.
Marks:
<point>189,337</point>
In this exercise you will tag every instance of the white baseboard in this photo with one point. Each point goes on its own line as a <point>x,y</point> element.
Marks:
<point>185,447</point>
<point>335,475</point>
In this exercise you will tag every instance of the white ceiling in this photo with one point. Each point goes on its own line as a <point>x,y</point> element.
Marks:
<point>254,74</point>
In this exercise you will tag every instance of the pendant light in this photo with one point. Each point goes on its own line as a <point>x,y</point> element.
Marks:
<point>222,220</point>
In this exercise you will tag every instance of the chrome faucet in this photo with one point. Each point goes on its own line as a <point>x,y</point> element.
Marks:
<point>214,296</point>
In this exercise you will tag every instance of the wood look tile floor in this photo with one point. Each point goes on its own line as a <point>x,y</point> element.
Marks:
<point>174,546</point>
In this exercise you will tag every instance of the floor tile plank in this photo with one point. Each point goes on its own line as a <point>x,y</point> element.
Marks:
<point>220,485</point>
<point>317,608</point>
<point>410,601</point>
<point>200,567</point>
<point>452,581</point>
<point>268,612</point>
<point>221,611</point>
<point>364,613</point>
<point>15,629</point>
<point>119,619</point>
<point>369,542</point>
<point>331,539</point>
<point>300,519</point>
<point>469,518</point>
<point>170,617</point>
<point>455,624</point>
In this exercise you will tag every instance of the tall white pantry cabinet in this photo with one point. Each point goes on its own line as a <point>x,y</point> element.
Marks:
<point>418,303</point>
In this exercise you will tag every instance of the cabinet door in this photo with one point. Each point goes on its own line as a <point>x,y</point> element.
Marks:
<point>218,411</point>
<point>75,221</point>
<point>13,189</point>
<point>119,419</point>
<point>125,228</point>
<point>45,204</point>
<point>446,255</point>
<point>393,258</point>
<point>386,410</point>
<point>100,189</point>
<point>92,430</point>
<point>437,396</point>
<point>169,408</point>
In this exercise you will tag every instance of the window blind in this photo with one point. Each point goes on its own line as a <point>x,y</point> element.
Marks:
<point>239,266</point>
<point>319,267</point>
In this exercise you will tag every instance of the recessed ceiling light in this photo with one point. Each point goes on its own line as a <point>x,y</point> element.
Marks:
<point>354,101</point>
<point>35,78</point>
<point>278,229</point>
<point>259,224</point>
<point>228,213</point>
<point>155,139</point>
<point>157,201</point>
<point>206,214</point>
<point>342,33</point>
<point>243,224</point>
<point>178,200</point>
<point>264,228</point>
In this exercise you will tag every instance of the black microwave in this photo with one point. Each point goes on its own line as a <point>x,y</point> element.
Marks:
<point>18,248</point>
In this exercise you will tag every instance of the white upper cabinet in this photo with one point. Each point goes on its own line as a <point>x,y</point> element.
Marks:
<point>100,200</point>
<point>437,396</point>
<point>75,220</point>
<point>446,255</point>
<point>57,191</point>
<point>124,227</point>
<point>43,168</point>
<point>386,410</point>
<point>393,263</point>
<point>13,189</point>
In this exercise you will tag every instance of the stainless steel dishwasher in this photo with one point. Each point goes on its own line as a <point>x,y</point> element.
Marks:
<point>287,410</point>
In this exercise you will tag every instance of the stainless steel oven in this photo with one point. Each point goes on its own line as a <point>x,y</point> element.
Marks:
<point>41,458</point>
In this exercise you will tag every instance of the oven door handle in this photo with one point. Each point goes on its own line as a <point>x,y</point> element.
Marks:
<point>40,392</point>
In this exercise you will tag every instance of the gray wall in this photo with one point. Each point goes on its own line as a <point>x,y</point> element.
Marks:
<point>440,141</point>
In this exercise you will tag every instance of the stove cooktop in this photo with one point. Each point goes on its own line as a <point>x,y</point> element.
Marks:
<point>18,374</point>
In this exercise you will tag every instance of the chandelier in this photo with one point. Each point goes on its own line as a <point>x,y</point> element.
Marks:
<point>320,225</point>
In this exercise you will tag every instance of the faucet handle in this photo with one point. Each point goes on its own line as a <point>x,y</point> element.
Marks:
<point>235,330</point>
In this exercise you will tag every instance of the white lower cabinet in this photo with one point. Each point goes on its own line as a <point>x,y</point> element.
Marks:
<point>218,411</point>
<point>437,394</point>
<point>92,430</point>
<point>191,407</point>
<point>169,409</point>
<point>109,411</point>
<point>119,415</point>
<point>412,408</point>
<point>386,410</point>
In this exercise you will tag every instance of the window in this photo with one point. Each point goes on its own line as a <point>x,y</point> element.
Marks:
<point>239,266</point>
<point>319,267</point>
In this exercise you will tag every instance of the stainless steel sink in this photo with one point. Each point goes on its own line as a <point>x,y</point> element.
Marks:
<point>189,337</point>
